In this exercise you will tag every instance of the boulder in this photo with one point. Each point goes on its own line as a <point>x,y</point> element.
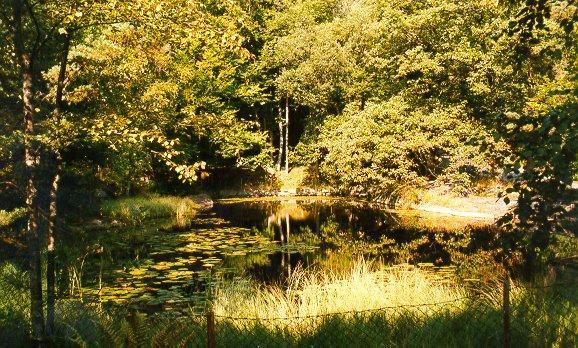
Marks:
<point>203,200</point>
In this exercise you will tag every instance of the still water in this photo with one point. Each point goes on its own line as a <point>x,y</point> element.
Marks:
<point>263,239</point>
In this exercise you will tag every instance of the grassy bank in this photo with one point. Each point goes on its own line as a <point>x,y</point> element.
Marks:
<point>135,210</point>
<point>400,306</point>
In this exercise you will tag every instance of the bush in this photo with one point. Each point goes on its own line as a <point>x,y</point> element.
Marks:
<point>386,147</point>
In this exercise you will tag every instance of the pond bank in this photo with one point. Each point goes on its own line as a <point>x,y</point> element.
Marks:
<point>435,200</point>
<point>476,207</point>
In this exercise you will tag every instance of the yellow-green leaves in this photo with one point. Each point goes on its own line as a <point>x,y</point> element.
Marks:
<point>160,86</point>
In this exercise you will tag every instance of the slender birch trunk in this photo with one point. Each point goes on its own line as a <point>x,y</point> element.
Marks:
<point>281,137</point>
<point>286,135</point>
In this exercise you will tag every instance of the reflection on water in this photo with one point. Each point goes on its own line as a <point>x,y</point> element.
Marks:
<point>267,240</point>
<point>342,229</point>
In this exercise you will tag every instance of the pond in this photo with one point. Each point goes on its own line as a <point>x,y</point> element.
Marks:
<point>160,268</point>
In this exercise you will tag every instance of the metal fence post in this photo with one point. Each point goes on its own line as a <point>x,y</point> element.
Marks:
<point>211,341</point>
<point>506,311</point>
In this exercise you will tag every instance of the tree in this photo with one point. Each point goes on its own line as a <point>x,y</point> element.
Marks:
<point>26,61</point>
<point>543,134</point>
<point>32,27</point>
<point>338,57</point>
<point>45,34</point>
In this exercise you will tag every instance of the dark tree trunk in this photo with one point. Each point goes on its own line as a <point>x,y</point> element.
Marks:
<point>53,207</point>
<point>51,244</point>
<point>51,249</point>
<point>31,163</point>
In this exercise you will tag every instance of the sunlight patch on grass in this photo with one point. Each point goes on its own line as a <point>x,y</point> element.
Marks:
<point>134,210</point>
<point>310,294</point>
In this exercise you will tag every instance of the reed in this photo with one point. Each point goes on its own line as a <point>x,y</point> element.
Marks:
<point>363,287</point>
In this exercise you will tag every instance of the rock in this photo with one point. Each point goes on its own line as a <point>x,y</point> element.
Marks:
<point>203,200</point>
<point>99,193</point>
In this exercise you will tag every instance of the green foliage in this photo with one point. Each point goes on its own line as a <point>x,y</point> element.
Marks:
<point>149,88</point>
<point>394,110</point>
<point>388,146</point>
<point>171,93</point>
<point>14,305</point>
<point>543,133</point>
<point>8,218</point>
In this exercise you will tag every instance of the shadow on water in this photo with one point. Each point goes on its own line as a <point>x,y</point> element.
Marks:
<point>264,240</point>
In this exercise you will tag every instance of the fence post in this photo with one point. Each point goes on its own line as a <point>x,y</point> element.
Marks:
<point>211,341</point>
<point>506,311</point>
<point>210,313</point>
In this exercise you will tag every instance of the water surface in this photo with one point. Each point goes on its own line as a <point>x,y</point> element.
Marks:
<point>265,240</point>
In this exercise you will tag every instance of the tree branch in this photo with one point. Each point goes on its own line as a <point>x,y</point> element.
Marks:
<point>35,49</point>
<point>97,24</point>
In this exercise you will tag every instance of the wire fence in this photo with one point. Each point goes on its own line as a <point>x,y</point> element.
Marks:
<point>537,317</point>
<point>512,316</point>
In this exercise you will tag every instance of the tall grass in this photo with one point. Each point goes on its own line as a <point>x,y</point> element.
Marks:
<point>319,293</point>
<point>135,210</point>
<point>399,306</point>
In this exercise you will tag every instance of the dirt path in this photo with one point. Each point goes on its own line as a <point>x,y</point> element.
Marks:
<point>489,208</point>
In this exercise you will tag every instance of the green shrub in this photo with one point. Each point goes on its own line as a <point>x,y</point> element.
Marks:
<point>387,147</point>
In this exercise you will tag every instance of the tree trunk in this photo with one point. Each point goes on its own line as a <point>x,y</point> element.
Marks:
<point>53,207</point>
<point>287,233</point>
<point>31,163</point>
<point>281,137</point>
<point>286,135</point>
<point>51,250</point>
